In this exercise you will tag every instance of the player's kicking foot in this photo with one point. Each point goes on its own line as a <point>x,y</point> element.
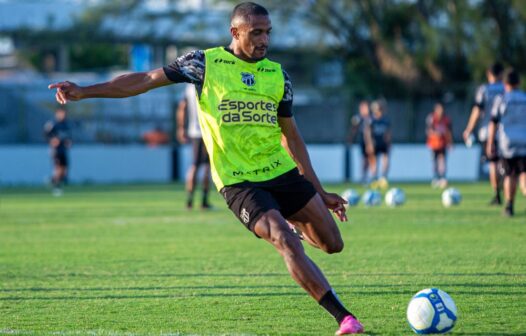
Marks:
<point>350,325</point>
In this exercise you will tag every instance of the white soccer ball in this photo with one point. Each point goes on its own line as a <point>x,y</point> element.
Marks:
<point>351,196</point>
<point>451,196</point>
<point>395,197</point>
<point>372,198</point>
<point>431,311</point>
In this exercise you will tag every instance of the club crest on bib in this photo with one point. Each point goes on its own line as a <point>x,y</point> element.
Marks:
<point>248,79</point>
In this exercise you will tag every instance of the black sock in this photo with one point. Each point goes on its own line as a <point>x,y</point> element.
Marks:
<point>497,195</point>
<point>190,199</point>
<point>205,197</point>
<point>332,304</point>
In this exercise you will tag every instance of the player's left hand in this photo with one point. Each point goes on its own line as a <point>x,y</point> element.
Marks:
<point>337,204</point>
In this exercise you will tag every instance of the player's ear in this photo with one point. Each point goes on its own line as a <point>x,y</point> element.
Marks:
<point>234,31</point>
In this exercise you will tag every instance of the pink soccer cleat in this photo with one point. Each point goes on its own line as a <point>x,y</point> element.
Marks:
<point>350,325</point>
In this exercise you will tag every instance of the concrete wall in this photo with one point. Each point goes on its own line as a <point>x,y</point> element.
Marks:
<point>89,164</point>
<point>31,165</point>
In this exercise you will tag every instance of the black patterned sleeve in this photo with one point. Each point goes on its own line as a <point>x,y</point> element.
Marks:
<point>285,105</point>
<point>188,68</point>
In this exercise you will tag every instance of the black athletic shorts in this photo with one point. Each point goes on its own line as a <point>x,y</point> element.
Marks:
<point>363,149</point>
<point>381,149</point>
<point>437,152</point>
<point>514,166</point>
<point>200,155</point>
<point>484,155</point>
<point>287,193</point>
<point>60,158</point>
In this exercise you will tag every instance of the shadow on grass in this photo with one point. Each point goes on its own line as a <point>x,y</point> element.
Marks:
<point>233,294</point>
<point>206,287</point>
<point>243,275</point>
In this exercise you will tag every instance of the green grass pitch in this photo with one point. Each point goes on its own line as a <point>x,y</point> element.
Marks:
<point>130,260</point>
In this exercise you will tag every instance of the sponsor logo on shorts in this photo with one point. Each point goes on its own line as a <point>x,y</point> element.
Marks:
<point>245,216</point>
<point>262,170</point>
<point>248,79</point>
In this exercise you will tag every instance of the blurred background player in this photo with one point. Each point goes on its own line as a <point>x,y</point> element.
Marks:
<point>58,135</point>
<point>439,139</point>
<point>481,114</point>
<point>508,125</point>
<point>188,111</point>
<point>378,140</point>
<point>357,135</point>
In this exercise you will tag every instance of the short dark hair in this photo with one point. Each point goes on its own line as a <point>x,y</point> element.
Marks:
<point>245,9</point>
<point>512,77</point>
<point>496,69</point>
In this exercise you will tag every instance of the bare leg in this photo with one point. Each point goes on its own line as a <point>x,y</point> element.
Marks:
<point>373,166</point>
<point>441,165</point>
<point>493,179</point>
<point>522,178</point>
<point>274,228</point>
<point>321,231</point>
<point>365,168</point>
<point>58,175</point>
<point>191,175</point>
<point>206,186</point>
<point>510,187</point>
<point>318,226</point>
<point>385,165</point>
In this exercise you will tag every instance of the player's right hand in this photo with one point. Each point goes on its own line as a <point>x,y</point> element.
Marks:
<point>66,91</point>
<point>181,136</point>
<point>465,135</point>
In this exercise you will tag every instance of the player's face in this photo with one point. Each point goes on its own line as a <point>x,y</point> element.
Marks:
<point>253,37</point>
<point>439,110</point>
<point>60,115</point>
<point>364,109</point>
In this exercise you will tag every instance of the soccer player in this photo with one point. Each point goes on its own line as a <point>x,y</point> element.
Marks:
<point>481,113</point>
<point>439,139</point>
<point>188,109</point>
<point>258,158</point>
<point>378,136</point>
<point>58,135</point>
<point>508,123</point>
<point>358,125</point>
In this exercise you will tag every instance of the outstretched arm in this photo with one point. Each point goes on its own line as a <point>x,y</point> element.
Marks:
<point>293,142</point>
<point>473,118</point>
<point>122,86</point>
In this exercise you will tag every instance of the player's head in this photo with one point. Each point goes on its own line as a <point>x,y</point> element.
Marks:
<point>494,72</point>
<point>438,109</point>
<point>250,28</point>
<point>377,108</point>
<point>511,80</point>
<point>363,108</point>
<point>60,113</point>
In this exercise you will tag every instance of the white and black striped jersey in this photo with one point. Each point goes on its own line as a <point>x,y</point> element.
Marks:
<point>484,100</point>
<point>509,113</point>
